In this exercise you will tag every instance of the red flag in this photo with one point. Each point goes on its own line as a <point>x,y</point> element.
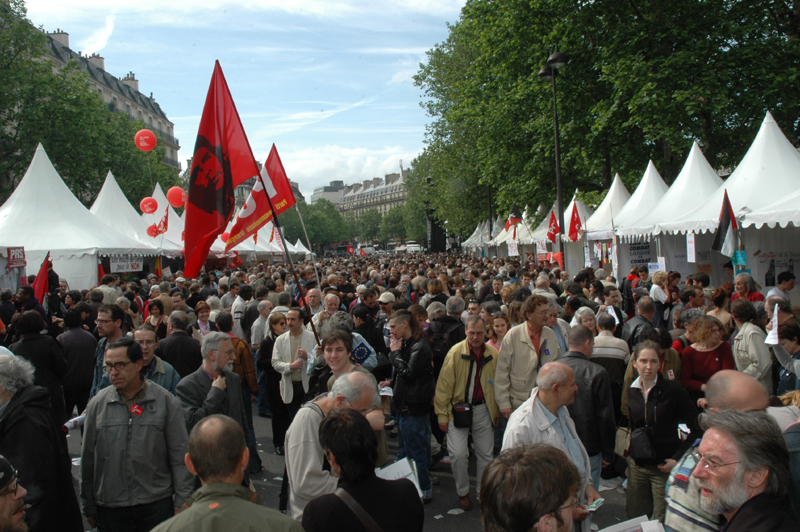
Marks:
<point>255,212</point>
<point>553,230</point>
<point>157,268</point>
<point>164,223</point>
<point>222,160</point>
<point>350,250</point>
<point>362,253</point>
<point>41,283</point>
<point>100,271</point>
<point>574,224</point>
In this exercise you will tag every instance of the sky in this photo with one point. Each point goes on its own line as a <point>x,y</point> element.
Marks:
<point>329,82</point>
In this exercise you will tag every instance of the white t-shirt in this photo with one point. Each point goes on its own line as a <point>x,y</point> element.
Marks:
<point>780,293</point>
<point>658,294</point>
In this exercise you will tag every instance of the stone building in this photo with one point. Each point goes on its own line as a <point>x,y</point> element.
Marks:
<point>331,192</point>
<point>120,94</point>
<point>381,194</point>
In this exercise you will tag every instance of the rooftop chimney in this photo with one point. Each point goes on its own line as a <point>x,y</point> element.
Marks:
<point>97,61</point>
<point>131,81</point>
<point>61,37</point>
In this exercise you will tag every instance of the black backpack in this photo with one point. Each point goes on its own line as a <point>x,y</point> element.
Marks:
<point>439,338</point>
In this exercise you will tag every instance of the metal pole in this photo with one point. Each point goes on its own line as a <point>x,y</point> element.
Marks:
<point>559,192</point>
<point>307,240</point>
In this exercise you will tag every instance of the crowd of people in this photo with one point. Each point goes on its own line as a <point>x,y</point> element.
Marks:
<point>552,381</point>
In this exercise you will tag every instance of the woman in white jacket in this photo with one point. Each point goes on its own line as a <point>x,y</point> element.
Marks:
<point>750,352</point>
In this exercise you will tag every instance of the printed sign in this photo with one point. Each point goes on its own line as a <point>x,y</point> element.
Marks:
<point>690,248</point>
<point>125,264</point>
<point>16,258</point>
<point>513,249</point>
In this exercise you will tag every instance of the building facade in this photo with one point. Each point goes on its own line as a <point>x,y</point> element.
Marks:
<point>381,194</point>
<point>120,94</point>
<point>331,192</point>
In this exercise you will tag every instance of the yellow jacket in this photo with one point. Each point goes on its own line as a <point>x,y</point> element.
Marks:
<point>452,383</point>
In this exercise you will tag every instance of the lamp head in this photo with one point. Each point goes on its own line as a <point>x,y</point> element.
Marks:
<point>547,72</point>
<point>557,60</point>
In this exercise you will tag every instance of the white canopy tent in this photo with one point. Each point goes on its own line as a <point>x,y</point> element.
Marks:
<point>539,235</point>
<point>695,182</point>
<point>768,172</point>
<point>646,196</point>
<point>782,213</point>
<point>474,239</point>
<point>113,208</point>
<point>303,250</point>
<point>584,213</point>
<point>43,215</point>
<point>599,225</point>
<point>175,223</point>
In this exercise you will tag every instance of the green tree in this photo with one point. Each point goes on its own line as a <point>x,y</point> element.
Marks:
<point>393,225</point>
<point>59,109</point>
<point>370,225</point>
<point>353,226</point>
<point>643,81</point>
<point>323,221</point>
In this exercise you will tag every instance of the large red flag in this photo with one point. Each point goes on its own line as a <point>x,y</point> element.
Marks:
<point>222,160</point>
<point>574,223</point>
<point>255,212</point>
<point>41,283</point>
<point>553,230</point>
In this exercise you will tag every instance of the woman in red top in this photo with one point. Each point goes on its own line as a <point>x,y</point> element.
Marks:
<point>708,355</point>
<point>746,288</point>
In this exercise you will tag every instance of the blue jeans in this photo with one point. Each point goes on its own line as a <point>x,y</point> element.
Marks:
<point>596,462</point>
<point>255,460</point>
<point>414,440</point>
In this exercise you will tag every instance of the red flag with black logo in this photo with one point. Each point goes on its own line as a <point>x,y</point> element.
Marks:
<point>41,283</point>
<point>553,230</point>
<point>350,250</point>
<point>222,160</point>
<point>574,223</point>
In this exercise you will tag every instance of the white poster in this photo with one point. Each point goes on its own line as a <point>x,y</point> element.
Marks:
<point>662,264</point>
<point>125,264</point>
<point>690,248</point>
<point>513,249</point>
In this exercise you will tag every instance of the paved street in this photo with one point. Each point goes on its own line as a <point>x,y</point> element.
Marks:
<point>437,518</point>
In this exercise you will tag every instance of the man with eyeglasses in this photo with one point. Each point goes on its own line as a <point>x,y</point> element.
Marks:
<point>743,472</point>
<point>154,369</point>
<point>36,445</point>
<point>109,328</point>
<point>12,499</point>
<point>525,349</point>
<point>133,474</point>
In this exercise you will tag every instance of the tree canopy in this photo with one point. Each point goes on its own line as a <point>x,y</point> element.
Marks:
<point>83,139</point>
<point>644,80</point>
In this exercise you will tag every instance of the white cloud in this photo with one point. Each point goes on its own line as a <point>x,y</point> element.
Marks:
<point>99,39</point>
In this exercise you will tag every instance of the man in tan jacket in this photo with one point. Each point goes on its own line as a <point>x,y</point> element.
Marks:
<point>525,349</point>
<point>467,376</point>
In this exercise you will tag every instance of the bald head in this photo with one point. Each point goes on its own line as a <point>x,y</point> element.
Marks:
<point>542,283</point>
<point>731,389</point>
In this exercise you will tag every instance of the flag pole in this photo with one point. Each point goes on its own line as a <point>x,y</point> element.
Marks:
<point>302,223</point>
<point>300,289</point>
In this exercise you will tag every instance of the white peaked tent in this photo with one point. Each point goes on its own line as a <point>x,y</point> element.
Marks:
<point>695,182</point>
<point>174,222</point>
<point>584,213</point>
<point>472,241</point>
<point>646,196</point>
<point>539,236</point>
<point>499,225</point>
<point>781,214</point>
<point>43,215</point>
<point>769,171</point>
<point>599,224</point>
<point>302,249</point>
<point>113,208</point>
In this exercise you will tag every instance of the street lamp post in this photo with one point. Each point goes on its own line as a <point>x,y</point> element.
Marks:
<point>555,62</point>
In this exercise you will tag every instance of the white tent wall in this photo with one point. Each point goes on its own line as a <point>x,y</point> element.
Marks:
<point>573,256</point>
<point>80,271</point>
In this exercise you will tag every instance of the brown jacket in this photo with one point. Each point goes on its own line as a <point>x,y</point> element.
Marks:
<point>244,366</point>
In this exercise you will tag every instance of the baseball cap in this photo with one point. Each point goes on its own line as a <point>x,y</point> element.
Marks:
<point>180,280</point>
<point>386,297</point>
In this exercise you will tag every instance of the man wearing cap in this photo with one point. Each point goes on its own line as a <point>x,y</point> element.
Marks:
<point>180,287</point>
<point>12,499</point>
<point>385,302</point>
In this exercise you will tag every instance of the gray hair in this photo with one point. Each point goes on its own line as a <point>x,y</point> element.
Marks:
<point>123,301</point>
<point>179,319</point>
<point>164,286</point>
<point>262,304</point>
<point>759,443</point>
<point>748,281</point>
<point>16,373</point>
<point>211,342</point>
<point>690,315</point>
<point>584,312</point>
<point>354,385</point>
<point>153,288</point>
<point>434,309</point>
<point>341,320</point>
<point>360,288</point>
<point>455,305</point>
<point>551,374</point>
<point>600,274</point>
<point>284,299</point>
<point>214,303</point>
<point>338,301</point>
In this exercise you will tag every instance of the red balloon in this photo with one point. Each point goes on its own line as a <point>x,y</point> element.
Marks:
<point>145,140</point>
<point>176,197</point>
<point>148,205</point>
<point>152,230</point>
<point>225,236</point>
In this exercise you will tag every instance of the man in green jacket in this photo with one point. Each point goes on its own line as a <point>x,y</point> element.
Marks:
<point>218,455</point>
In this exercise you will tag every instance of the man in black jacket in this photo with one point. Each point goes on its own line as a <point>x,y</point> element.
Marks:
<point>593,409</point>
<point>178,348</point>
<point>638,326</point>
<point>413,391</point>
<point>35,445</point>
